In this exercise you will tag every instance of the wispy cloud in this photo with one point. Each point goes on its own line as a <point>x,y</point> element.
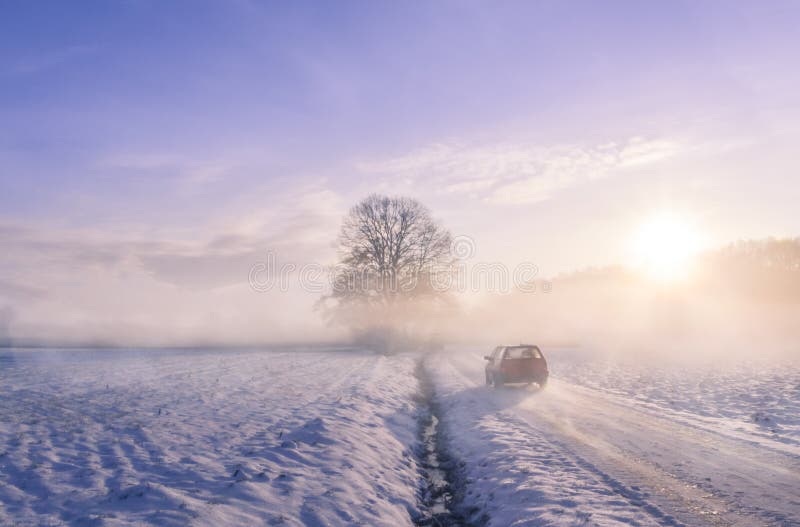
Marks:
<point>188,169</point>
<point>165,285</point>
<point>301,229</point>
<point>30,64</point>
<point>511,173</point>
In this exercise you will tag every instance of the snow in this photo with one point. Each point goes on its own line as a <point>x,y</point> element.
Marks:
<point>515,474</point>
<point>757,398</point>
<point>207,438</point>
<point>599,453</point>
<point>325,437</point>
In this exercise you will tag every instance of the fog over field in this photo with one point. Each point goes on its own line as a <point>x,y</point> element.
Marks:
<point>92,293</point>
<point>453,263</point>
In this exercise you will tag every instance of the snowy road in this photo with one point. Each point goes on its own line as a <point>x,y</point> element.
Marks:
<point>576,455</point>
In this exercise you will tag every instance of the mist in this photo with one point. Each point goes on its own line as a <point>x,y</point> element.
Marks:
<point>399,264</point>
<point>742,300</point>
<point>724,309</point>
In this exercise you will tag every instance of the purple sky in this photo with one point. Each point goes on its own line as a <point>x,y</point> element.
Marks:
<point>154,150</point>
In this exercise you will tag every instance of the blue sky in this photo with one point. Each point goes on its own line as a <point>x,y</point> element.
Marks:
<point>151,132</point>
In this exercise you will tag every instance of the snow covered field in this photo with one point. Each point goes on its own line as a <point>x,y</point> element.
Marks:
<point>332,438</point>
<point>206,438</point>
<point>757,398</point>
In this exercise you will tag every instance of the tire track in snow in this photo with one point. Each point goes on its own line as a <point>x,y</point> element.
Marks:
<point>691,473</point>
<point>540,479</point>
<point>658,455</point>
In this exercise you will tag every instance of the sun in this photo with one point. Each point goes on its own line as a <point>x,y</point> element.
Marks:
<point>665,245</point>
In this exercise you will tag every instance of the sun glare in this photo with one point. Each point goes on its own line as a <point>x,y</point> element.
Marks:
<point>664,247</point>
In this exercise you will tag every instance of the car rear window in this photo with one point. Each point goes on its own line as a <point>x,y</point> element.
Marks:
<point>523,352</point>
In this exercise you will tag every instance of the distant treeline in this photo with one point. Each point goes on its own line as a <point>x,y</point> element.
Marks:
<point>747,293</point>
<point>766,270</point>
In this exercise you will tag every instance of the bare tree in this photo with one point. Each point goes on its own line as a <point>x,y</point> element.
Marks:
<point>391,250</point>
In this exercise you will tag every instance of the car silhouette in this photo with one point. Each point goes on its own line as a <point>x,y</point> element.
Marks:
<point>522,364</point>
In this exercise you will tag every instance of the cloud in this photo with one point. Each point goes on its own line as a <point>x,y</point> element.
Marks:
<point>35,63</point>
<point>188,169</point>
<point>638,151</point>
<point>161,286</point>
<point>471,186</point>
<point>300,229</point>
<point>12,291</point>
<point>511,173</point>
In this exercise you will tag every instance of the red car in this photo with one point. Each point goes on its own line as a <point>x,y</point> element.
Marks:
<point>516,364</point>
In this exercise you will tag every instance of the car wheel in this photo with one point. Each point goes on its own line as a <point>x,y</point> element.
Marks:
<point>543,382</point>
<point>497,381</point>
<point>488,379</point>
